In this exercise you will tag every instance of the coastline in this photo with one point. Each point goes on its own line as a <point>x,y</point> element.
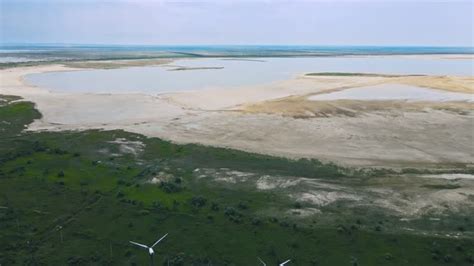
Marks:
<point>225,118</point>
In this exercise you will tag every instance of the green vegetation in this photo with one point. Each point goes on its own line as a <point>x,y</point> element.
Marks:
<point>442,186</point>
<point>77,198</point>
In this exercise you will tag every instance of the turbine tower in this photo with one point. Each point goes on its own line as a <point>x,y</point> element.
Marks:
<point>150,249</point>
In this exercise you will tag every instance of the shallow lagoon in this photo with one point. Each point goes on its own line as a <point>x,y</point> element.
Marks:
<point>387,92</point>
<point>235,73</point>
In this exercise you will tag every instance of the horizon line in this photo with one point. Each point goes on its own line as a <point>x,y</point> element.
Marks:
<point>228,44</point>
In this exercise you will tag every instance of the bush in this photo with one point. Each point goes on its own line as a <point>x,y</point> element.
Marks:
<point>274,220</point>
<point>198,201</point>
<point>229,211</point>
<point>233,214</point>
<point>170,187</point>
<point>242,206</point>
<point>59,151</point>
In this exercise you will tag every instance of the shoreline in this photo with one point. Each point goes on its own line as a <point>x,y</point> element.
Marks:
<point>249,57</point>
<point>219,118</point>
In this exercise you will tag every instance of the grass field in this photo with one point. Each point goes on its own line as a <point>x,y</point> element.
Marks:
<point>77,198</point>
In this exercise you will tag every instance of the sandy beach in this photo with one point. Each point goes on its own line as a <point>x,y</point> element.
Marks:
<point>276,119</point>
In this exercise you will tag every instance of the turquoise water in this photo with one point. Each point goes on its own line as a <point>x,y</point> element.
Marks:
<point>25,53</point>
<point>235,73</point>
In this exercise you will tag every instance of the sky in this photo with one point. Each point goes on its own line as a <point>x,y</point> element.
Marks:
<point>239,22</point>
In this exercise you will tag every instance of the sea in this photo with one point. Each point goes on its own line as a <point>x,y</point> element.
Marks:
<point>33,53</point>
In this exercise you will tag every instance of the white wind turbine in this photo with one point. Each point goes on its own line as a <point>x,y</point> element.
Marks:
<point>150,249</point>
<point>281,264</point>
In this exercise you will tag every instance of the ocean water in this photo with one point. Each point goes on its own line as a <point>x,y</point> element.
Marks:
<point>102,52</point>
<point>235,73</point>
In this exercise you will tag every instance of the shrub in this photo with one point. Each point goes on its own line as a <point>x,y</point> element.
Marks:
<point>274,220</point>
<point>230,211</point>
<point>198,201</point>
<point>169,187</point>
<point>242,206</point>
<point>233,214</point>
<point>157,205</point>
<point>59,151</point>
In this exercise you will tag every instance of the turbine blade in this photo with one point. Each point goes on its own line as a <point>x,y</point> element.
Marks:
<point>158,241</point>
<point>283,263</point>
<point>138,244</point>
<point>261,261</point>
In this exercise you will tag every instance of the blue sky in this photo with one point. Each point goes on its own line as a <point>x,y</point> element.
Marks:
<point>317,22</point>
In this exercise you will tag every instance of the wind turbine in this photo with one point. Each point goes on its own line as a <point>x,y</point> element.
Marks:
<point>150,249</point>
<point>264,264</point>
